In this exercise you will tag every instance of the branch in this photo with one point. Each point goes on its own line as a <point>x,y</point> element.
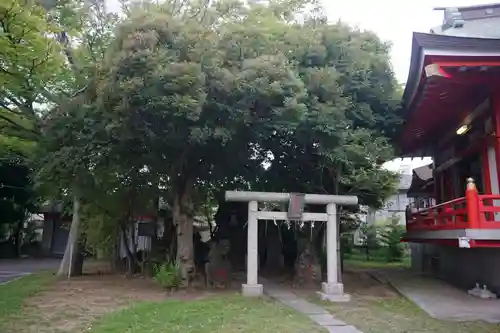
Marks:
<point>8,73</point>
<point>27,111</point>
<point>48,95</point>
<point>18,126</point>
<point>44,91</point>
<point>6,107</point>
<point>62,38</point>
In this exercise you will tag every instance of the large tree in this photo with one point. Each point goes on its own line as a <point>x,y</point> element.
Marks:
<point>185,105</point>
<point>16,193</point>
<point>203,94</point>
<point>50,54</point>
<point>197,95</point>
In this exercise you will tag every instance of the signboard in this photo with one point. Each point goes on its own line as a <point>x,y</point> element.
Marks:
<point>464,242</point>
<point>296,206</point>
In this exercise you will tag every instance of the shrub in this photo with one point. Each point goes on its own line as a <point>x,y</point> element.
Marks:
<point>391,238</point>
<point>370,239</point>
<point>346,244</point>
<point>168,275</point>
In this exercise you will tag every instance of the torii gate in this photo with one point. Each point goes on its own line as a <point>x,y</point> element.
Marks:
<point>332,289</point>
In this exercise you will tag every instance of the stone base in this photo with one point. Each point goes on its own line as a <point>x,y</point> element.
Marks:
<point>252,290</point>
<point>334,297</point>
<point>332,288</point>
<point>333,292</point>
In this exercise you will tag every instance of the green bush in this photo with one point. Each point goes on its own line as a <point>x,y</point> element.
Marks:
<point>167,275</point>
<point>346,244</point>
<point>391,236</point>
<point>371,241</point>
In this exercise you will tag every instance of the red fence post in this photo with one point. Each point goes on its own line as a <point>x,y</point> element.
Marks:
<point>472,202</point>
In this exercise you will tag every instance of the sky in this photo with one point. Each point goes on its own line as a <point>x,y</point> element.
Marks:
<point>394,21</point>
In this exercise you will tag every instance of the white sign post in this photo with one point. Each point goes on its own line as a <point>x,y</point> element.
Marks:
<point>332,289</point>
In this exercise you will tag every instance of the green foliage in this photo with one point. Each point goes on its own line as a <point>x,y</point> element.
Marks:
<point>382,240</point>
<point>346,244</point>
<point>100,231</point>
<point>371,240</point>
<point>167,275</point>
<point>16,192</point>
<point>391,236</point>
<point>16,134</point>
<point>197,96</point>
<point>32,64</point>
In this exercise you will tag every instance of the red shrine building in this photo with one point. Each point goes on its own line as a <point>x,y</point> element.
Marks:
<point>452,113</point>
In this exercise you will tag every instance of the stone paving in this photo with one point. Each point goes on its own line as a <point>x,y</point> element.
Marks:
<point>7,276</point>
<point>313,311</point>
<point>439,299</point>
<point>13,269</point>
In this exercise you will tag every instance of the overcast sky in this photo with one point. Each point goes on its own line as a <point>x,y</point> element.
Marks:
<point>394,21</point>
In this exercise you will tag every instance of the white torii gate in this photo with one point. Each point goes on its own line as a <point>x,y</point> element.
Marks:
<point>332,289</point>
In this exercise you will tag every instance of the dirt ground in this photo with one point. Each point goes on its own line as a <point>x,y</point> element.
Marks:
<point>72,305</point>
<point>357,282</point>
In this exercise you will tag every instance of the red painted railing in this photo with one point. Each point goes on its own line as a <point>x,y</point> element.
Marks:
<point>474,211</point>
<point>489,210</point>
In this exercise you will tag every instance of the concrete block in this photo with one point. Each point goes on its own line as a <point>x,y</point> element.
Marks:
<point>303,306</point>
<point>252,290</point>
<point>342,329</point>
<point>280,294</point>
<point>333,292</point>
<point>334,297</point>
<point>326,320</point>
<point>332,288</point>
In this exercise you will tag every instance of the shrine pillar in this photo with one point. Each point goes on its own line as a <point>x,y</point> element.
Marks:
<point>252,287</point>
<point>332,286</point>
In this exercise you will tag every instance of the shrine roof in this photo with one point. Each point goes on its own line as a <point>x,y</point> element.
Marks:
<point>476,29</point>
<point>424,44</point>
<point>445,80</point>
<point>470,21</point>
<point>421,179</point>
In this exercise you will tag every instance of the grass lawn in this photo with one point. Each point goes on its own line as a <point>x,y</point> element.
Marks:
<point>14,293</point>
<point>358,259</point>
<point>363,263</point>
<point>229,313</point>
<point>398,315</point>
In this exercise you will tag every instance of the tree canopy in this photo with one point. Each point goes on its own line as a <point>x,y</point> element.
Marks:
<point>200,96</point>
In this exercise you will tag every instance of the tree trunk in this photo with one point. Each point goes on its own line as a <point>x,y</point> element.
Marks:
<point>72,253</point>
<point>16,239</point>
<point>125,240</point>
<point>183,221</point>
